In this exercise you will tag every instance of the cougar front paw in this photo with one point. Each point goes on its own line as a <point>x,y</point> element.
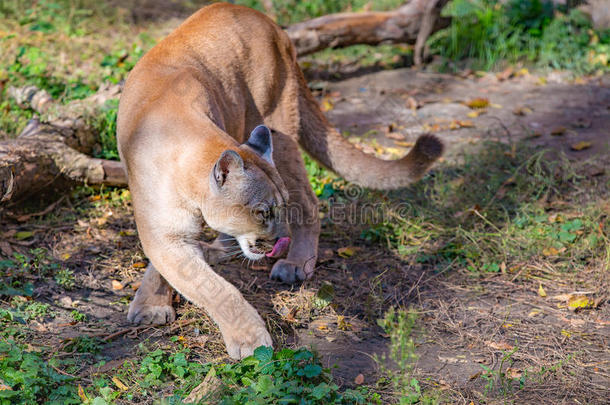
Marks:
<point>150,314</point>
<point>288,272</point>
<point>242,341</point>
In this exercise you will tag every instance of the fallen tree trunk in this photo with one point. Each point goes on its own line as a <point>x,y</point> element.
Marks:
<point>411,23</point>
<point>47,155</point>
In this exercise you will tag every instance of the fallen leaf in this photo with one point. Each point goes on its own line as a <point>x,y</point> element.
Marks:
<point>478,103</point>
<point>499,345</point>
<point>513,372</point>
<point>82,395</point>
<point>577,302</point>
<point>136,285</point>
<point>534,312</point>
<point>476,113</point>
<point>119,384</point>
<point>359,380</point>
<point>116,285</point>
<point>558,131</point>
<point>395,135</point>
<point>582,145</point>
<point>551,251</point>
<point>4,387</point>
<point>324,296</point>
<point>521,72</point>
<point>541,291</point>
<point>345,252</point>
<point>24,235</point>
<point>326,104</point>
<point>139,265</point>
<point>404,144</point>
<point>208,391</point>
<point>342,324</point>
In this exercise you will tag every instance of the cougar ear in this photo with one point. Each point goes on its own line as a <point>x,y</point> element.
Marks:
<point>260,142</point>
<point>229,162</point>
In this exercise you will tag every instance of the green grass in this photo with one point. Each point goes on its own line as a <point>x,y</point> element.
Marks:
<point>487,33</point>
<point>495,211</point>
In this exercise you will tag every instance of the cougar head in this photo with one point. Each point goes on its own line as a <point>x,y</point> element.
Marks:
<point>249,198</point>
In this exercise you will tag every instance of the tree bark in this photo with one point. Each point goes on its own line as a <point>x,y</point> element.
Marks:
<point>410,23</point>
<point>47,155</point>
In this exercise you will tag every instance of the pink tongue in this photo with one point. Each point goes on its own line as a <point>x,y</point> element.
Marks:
<point>280,247</point>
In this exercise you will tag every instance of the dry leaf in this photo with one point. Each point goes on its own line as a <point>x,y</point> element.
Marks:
<point>476,113</point>
<point>82,395</point>
<point>395,135</point>
<point>208,391</point>
<point>477,103</point>
<point>359,380</point>
<point>119,384</point>
<point>582,145</point>
<point>541,291</point>
<point>139,265</point>
<point>499,345</point>
<point>326,104</point>
<point>116,285</point>
<point>404,144</point>
<point>342,324</point>
<point>577,302</point>
<point>345,252</point>
<point>551,251</point>
<point>558,131</point>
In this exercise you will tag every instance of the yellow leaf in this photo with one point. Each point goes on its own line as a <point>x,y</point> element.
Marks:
<point>119,384</point>
<point>534,312</point>
<point>581,145</point>
<point>404,144</point>
<point>565,333</point>
<point>551,251</point>
<point>393,151</point>
<point>342,324</point>
<point>576,302</point>
<point>116,285</point>
<point>139,265</point>
<point>521,72</point>
<point>541,291</point>
<point>82,395</point>
<point>66,256</point>
<point>327,105</point>
<point>475,113</point>
<point>477,103</point>
<point>24,235</point>
<point>345,252</point>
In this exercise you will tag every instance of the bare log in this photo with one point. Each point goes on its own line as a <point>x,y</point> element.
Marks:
<point>410,23</point>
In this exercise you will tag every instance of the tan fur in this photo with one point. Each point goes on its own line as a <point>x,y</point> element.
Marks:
<point>192,98</point>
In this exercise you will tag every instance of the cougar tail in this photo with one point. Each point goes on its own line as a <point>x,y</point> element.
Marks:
<point>331,149</point>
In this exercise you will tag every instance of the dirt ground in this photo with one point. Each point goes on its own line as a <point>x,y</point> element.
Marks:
<point>465,322</point>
